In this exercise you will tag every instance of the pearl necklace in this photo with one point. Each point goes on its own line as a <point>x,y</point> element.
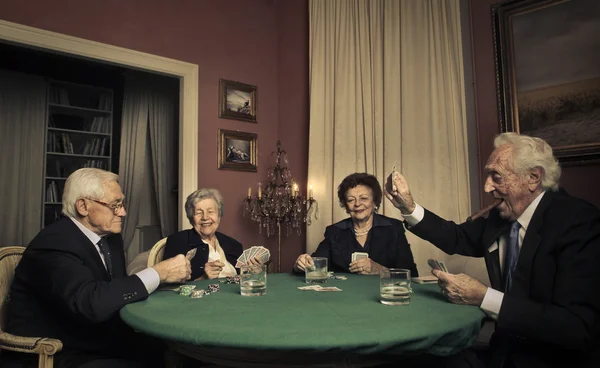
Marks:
<point>362,232</point>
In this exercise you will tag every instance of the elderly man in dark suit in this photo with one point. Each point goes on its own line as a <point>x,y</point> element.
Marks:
<point>541,248</point>
<point>71,282</point>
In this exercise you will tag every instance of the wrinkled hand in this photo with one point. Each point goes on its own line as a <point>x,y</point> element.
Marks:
<point>460,289</point>
<point>176,269</point>
<point>212,269</point>
<point>303,261</point>
<point>397,191</point>
<point>365,266</point>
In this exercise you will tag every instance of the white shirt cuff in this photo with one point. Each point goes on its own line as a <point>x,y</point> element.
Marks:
<point>492,301</point>
<point>415,217</point>
<point>150,278</point>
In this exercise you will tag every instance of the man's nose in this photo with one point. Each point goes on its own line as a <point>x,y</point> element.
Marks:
<point>488,187</point>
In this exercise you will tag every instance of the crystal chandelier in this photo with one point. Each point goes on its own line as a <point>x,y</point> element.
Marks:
<point>279,203</point>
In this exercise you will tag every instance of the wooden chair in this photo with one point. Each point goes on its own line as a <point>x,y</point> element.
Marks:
<point>43,346</point>
<point>157,252</point>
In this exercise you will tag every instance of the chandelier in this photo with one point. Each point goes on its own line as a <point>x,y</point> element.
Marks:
<point>280,203</point>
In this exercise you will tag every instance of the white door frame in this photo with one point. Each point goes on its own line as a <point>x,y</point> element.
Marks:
<point>186,72</point>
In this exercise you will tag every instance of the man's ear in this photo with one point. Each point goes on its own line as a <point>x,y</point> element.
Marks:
<point>81,207</point>
<point>535,178</point>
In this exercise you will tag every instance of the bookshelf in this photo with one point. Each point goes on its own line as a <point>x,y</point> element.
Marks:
<point>78,134</point>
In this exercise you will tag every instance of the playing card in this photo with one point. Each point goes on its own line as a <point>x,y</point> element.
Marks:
<point>311,287</point>
<point>430,279</point>
<point>434,264</point>
<point>329,288</point>
<point>191,254</point>
<point>443,266</point>
<point>359,255</point>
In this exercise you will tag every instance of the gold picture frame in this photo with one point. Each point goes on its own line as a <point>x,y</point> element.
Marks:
<point>237,151</point>
<point>237,101</point>
<point>548,83</point>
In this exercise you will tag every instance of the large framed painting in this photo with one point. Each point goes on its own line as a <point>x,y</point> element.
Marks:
<point>237,151</point>
<point>237,101</point>
<point>548,73</point>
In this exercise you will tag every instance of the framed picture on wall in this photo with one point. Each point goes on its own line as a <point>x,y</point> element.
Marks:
<point>548,73</point>
<point>237,151</point>
<point>237,101</point>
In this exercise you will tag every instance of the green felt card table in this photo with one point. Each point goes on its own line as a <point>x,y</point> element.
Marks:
<point>288,326</point>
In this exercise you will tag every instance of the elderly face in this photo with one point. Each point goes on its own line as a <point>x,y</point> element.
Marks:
<point>359,203</point>
<point>206,218</point>
<point>502,182</point>
<point>101,217</point>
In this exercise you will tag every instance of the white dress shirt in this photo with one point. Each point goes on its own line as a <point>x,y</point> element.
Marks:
<point>149,276</point>
<point>492,300</point>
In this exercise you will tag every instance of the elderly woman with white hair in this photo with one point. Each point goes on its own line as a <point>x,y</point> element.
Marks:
<point>216,252</point>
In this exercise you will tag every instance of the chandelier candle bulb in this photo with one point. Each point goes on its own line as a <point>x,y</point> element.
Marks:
<point>296,193</point>
<point>249,192</point>
<point>310,192</point>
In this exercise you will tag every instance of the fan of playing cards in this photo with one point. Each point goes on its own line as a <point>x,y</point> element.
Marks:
<point>259,252</point>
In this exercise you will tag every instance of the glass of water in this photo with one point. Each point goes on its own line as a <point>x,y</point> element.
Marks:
<point>394,286</point>
<point>317,274</point>
<point>253,280</point>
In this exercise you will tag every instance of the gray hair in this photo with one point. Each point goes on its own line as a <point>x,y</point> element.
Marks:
<point>529,153</point>
<point>84,183</point>
<point>200,194</point>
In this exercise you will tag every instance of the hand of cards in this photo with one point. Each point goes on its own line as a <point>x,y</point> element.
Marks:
<point>262,253</point>
<point>359,255</point>
<point>437,265</point>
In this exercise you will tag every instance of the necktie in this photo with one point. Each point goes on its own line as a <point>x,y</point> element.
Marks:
<point>105,250</point>
<point>512,254</point>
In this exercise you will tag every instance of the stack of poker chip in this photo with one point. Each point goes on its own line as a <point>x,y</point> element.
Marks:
<point>213,288</point>
<point>198,293</point>
<point>232,280</point>
<point>186,290</point>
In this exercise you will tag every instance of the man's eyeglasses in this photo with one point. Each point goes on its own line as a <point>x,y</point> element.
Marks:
<point>115,207</point>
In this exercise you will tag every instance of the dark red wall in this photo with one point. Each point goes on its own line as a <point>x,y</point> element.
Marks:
<point>260,42</point>
<point>580,181</point>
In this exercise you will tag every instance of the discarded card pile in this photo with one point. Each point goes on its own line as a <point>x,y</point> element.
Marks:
<point>319,288</point>
<point>262,253</point>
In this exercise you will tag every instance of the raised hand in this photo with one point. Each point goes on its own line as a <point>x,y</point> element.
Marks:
<point>397,191</point>
<point>176,269</point>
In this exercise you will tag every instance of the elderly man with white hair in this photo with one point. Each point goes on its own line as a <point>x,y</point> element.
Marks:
<point>71,282</point>
<point>541,248</point>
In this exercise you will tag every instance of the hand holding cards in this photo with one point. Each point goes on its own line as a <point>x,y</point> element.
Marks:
<point>359,255</point>
<point>437,265</point>
<point>259,252</point>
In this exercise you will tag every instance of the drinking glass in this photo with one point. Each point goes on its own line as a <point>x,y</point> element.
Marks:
<point>394,286</point>
<point>253,280</point>
<point>318,273</point>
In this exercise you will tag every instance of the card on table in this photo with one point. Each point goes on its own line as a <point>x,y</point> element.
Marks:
<point>359,255</point>
<point>425,279</point>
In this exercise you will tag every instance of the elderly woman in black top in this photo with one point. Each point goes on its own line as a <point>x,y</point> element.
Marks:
<point>364,231</point>
<point>216,252</point>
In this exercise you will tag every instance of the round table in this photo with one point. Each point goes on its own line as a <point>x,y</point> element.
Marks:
<point>293,326</point>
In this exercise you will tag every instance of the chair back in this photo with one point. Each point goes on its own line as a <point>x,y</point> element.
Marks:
<point>9,258</point>
<point>157,252</point>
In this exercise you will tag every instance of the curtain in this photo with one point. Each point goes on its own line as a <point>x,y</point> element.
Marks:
<point>22,148</point>
<point>149,121</point>
<point>387,89</point>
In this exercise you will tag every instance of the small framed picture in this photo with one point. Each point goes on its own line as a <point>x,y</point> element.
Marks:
<point>237,151</point>
<point>237,101</point>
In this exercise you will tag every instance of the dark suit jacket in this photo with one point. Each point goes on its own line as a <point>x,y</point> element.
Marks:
<point>387,245</point>
<point>553,307</point>
<point>183,241</point>
<point>62,290</point>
